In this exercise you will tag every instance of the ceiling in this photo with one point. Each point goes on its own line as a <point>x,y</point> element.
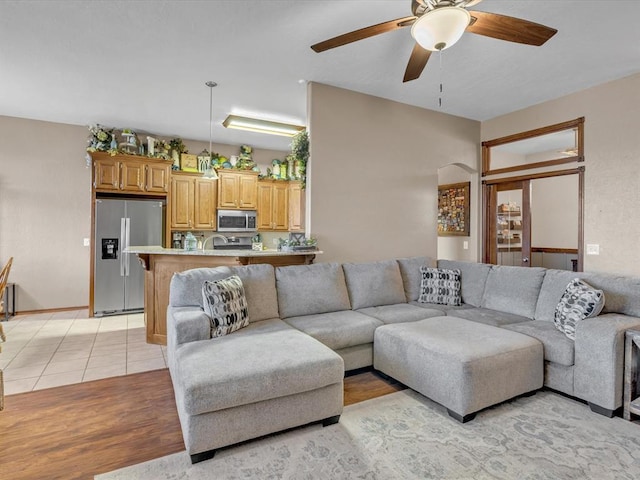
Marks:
<point>144,64</point>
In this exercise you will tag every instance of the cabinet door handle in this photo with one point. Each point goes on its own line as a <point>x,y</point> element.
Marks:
<point>121,182</point>
<point>145,178</point>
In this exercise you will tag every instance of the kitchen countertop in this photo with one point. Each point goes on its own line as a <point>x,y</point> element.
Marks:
<point>155,250</point>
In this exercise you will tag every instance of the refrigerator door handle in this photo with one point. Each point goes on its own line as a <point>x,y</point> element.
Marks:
<point>122,245</point>
<point>127,232</point>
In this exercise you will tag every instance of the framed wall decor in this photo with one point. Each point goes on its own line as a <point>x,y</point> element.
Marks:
<point>453,209</point>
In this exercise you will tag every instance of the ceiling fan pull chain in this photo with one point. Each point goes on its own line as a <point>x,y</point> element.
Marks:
<point>440,74</point>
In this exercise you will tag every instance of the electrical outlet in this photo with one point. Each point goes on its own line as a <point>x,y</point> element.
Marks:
<point>465,245</point>
<point>593,249</point>
<point>86,242</point>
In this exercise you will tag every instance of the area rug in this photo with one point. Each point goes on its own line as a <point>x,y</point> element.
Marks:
<point>406,436</point>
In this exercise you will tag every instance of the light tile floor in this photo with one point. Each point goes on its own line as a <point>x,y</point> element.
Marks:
<point>53,349</point>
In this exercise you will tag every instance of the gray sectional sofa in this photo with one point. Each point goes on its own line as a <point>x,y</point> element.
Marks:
<point>311,323</point>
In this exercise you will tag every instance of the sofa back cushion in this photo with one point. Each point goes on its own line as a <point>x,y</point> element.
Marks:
<point>622,292</point>
<point>374,284</point>
<point>553,286</point>
<point>311,289</point>
<point>411,275</point>
<point>513,289</point>
<point>185,289</point>
<point>473,277</point>
<point>259,283</point>
<point>260,289</point>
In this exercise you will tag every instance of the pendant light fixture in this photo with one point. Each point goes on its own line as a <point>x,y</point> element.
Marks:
<point>210,172</point>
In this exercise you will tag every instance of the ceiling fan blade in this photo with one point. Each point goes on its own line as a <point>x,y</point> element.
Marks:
<point>417,62</point>
<point>363,33</point>
<point>510,29</point>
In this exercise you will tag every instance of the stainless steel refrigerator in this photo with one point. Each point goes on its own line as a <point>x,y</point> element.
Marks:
<point>118,276</point>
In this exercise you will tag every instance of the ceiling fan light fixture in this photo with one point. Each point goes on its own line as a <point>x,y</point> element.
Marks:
<point>440,28</point>
<point>262,126</point>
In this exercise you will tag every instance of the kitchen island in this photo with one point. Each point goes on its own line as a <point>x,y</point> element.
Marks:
<point>161,263</point>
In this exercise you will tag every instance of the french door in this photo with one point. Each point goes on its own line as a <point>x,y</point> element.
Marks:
<point>509,220</point>
<point>535,220</point>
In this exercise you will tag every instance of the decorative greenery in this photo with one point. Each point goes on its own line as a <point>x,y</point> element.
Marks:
<point>300,155</point>
<point>100,139</point>
<point>300,146</point>
<point>178,145</point>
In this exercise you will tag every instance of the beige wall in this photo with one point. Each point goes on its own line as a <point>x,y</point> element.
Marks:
<point>45,209</point>
<point>374,173</point>
<point>453,248</point>
<point>612,176</point>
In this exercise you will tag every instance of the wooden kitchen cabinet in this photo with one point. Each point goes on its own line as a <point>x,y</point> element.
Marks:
<point>193,202</point>
<point>296,206</point>
<point>238,190</point>
<point>273,205</point>
<point>131,174</point>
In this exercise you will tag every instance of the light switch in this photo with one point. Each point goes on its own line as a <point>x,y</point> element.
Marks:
<point>593,249</point>
<point>86,242</point>
<point>465,245</point>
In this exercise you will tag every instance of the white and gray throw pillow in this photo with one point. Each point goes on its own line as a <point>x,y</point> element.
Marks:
<point>225,304</point>
<point>441,286</point>
<point>579,301</point>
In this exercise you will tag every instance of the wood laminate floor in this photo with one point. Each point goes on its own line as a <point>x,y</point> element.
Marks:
<point>78,431</point>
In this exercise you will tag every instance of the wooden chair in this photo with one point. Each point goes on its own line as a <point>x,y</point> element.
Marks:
<point>4,276</point>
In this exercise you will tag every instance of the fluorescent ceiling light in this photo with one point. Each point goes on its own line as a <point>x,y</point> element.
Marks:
<point>262,126</point>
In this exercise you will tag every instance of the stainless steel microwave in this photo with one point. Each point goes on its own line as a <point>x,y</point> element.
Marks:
<point>237,220</point>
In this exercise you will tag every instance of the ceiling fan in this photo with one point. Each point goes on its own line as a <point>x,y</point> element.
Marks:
<point>438,24</point>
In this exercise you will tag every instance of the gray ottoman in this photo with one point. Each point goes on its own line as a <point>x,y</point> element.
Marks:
<point>463,365</point>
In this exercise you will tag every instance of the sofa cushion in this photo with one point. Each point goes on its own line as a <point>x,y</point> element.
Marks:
<point>473,277</point>
<point>225,304</point>
<point>185,289</point>
<point>487,316</point>
<point>267,359</point>
<point>448,309</point>
<point>373,284</point>
<point>553,286</point>
<point>260,289</point>
<point>440,286</point>
<point>411,275</point>
<point>621,292</point>
<point>557,347</point>
<point>337,329</point>
<point>399,313</point>
<point>579,301</point>
<point>311,289</point>
<point>513,289</point>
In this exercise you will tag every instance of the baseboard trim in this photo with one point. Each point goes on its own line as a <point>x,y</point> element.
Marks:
<point>52,310</point>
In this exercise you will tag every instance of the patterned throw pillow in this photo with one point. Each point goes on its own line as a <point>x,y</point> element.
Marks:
<point>225,304</point>
<point>579,301</point>
<point>440,285</point>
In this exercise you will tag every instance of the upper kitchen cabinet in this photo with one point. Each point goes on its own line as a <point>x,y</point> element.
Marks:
<point>238,189</point>
<point>193,202</point>
<point>296,206</point>
<point>130,174</point>
<point>273,205</point>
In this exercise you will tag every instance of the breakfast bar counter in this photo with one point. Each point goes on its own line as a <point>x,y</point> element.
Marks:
<point>161,263</point>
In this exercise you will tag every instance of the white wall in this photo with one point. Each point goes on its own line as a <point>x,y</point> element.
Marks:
<point>374,173</point>
<point>612,175</point>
